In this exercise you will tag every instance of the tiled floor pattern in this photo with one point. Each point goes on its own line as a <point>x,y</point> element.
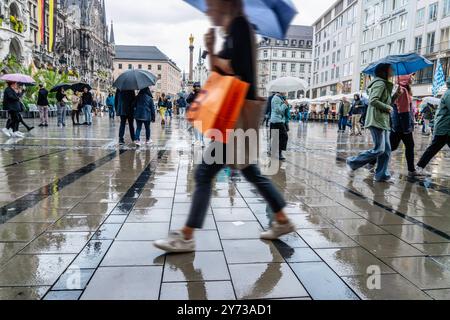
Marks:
<point>91,238</point>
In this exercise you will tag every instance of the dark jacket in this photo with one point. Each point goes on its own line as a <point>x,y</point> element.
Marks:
<point>87,99</point>
<point>181,103</point>
<point>269,106</point>
<point>402,122</point>
<point>60,96</point>
<point>42,99</point>
<point>126,103</point>
<point>11,100</point>
<point>357,107</point>
<point>145,108</point>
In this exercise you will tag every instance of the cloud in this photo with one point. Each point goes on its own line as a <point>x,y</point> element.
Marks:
<point>168,24</point>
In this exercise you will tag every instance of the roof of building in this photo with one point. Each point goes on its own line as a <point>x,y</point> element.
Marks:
<point>297,31</point>
<point>139,53</point>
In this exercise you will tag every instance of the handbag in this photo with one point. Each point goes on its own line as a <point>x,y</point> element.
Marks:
<point>218,106</point>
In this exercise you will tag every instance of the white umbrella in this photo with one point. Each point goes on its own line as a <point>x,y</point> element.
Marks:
<point>287,84</point>
<point>432,100</point>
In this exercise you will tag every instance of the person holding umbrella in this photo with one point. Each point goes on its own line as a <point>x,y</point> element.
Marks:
<point>42,103</point>
<point>238,58</point>
<point>378,122</point>
<point>12,104</point>
<point>76,102</point>
<point>87,101</point>
<point>441,132</point>
<point>144,114</point>
<point>126,105</point>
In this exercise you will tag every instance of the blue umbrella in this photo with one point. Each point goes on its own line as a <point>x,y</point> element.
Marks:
<point>402,64</point>
<point>271,18</point>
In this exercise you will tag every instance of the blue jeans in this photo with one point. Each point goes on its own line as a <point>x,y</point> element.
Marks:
<point>112,112</point>
<point>305,116</point>
<point>381,152</point>
<point>326,118</point>
<point>343,122</point>
<point>61,112</point>
<point>139,124</point>
<point>87,110</point>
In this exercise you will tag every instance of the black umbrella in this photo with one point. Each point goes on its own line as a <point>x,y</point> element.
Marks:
<point>79,87</point>
<point>135,80</point>
<point>58,87</point>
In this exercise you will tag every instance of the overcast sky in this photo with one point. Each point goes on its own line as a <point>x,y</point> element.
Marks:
<point>167,24</point>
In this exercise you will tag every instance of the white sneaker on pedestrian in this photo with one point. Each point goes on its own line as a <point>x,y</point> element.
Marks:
<point>175,243</point>
<point>422,172</point>
<point>137,143</point>
<point>18,134</point>
<point>277,230</point>
<point>6,132</point>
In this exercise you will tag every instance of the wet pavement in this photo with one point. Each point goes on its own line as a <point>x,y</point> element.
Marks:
<point>78,217</point>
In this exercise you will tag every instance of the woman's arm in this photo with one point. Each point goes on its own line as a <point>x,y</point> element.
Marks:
<point>221,65</point>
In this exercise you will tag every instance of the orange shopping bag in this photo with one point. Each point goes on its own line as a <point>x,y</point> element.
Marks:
<point>218,105</point>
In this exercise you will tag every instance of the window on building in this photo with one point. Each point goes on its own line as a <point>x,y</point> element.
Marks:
<point>149,67</point>
<point>265,54</point>
<point>139,66</point>
<point>372,55</point>
<point>293,67</point>
<point>390,48</point>
<point>159,67</point>
<point>403,24</point>
<point>283,67</point>
<point>283,54</point>
<point>384,6</point>
<point>294,54</point>
<point>302,54</point>
<point>337,73</point>
<point>338,55</point>
<point>275,53</point>
<point>302,68</point>
<point>332,74</point>
<point>420,19</point>
<point>274,66</point>
<point>383,29</point>
<point>120,66</point>
<point>365,36</point>
<point>418,44</point>
<point>401,46</point>
<point>333,58</point>
<point>130,66</point>
<point>433,12</point>
<point>392,26</point>
<point>430,42</point>
<point>445,39</point>
<point>446,10</point>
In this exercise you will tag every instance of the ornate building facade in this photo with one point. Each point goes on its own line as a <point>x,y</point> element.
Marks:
<point>82,45</point>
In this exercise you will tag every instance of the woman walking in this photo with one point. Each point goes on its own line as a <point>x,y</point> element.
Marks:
<point>378,122</point>
<point>76,102</point>
<point>61,100</point>
<point>441,132</point>
<point>238,58</point>
<point>126,104</point>
<point>162,105</point>
<point>144,114</point>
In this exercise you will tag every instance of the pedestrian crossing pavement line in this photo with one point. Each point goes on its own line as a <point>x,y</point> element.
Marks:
<point>29,200</point>
<point>416,222</point>
<point>31,159</point>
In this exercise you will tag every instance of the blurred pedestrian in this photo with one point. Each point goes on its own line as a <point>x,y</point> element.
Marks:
<point>12,104</point>
<point>441,132</point>
<point>162,107</point>
<point>76,106</point>
<point>326,112</point>
<point>181,105</point>
<point>61,110</point>
<point>278,122</point>
<point>238,58</point>
<point>344,109</point>
<point>87,101</point>
<point>110,101</point>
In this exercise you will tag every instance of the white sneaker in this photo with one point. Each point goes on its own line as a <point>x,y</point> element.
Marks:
<point>277,230</point>
<point>137,143</point>
<point>6,132</point>
<point>422,172</point>
<point>18,134</point>
<point>175,243</point>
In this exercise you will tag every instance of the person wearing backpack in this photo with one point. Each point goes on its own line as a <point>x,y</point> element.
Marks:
<point>379,123</point>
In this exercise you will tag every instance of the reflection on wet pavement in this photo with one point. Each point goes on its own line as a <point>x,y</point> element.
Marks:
<point>78,217</point>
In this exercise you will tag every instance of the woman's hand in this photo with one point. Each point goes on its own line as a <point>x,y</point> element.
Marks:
<point>210,40</point>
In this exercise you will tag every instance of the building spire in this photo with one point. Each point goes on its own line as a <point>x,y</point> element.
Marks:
<point>112,38</point>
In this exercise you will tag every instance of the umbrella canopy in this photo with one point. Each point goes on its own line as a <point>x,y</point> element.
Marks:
<point>432,100</point>
<point>79,87</point>
<point>18,77</point>
<point>271,18</point>
<point>135,80</point>
<point>287,84</point>
<point>58,87</point>
<point>402,64</point>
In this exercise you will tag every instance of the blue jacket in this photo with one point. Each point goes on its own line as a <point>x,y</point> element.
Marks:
<point>279,108</point>
<point>181,102</point>
<point>110,101</point>
<point>145,108</point>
